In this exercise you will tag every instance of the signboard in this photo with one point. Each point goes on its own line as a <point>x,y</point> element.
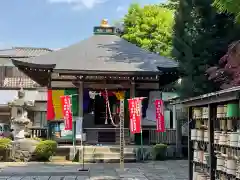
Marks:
<point>134,115</point>
<point>159,115</point>
<point>79,121</point>
<point>67,112</point>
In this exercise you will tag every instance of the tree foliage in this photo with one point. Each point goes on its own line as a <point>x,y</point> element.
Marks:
<point>149,27</point>
<point>171,4</point>
<point>228,71</point>
<point>231,6</point>
<point>201,37</point>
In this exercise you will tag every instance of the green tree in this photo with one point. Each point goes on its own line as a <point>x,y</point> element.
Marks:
<point>231,6</point>
<point>171,4</point>
<point>149,27</point>
<point>201,37</point>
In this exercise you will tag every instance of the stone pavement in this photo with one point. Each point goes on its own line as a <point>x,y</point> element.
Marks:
<point>162,170</point>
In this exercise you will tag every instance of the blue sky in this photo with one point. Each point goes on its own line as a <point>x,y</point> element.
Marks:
<point>56,23</point>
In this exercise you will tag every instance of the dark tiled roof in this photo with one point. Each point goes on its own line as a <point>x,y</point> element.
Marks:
<point>20,53</point>
<point>104,53</point>
<point>23,52</point>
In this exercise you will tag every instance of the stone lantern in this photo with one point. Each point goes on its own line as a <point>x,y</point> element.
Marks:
<point>19,119</point>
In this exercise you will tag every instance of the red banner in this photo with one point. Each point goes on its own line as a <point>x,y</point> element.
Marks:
<point>67,112</point>
<point>134,106</point>
<point>50,108</point>
<point>159,115</point>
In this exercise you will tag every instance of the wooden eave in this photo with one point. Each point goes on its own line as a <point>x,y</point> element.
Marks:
<point>93,76</point>
<point>33,65</point>
<point>38,72</point>
<point>107,73</point>
<point>215,97</point>
<point>142,76</point>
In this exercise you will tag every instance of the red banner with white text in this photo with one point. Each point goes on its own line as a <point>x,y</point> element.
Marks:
<point>67,111</point>
<point>134,106</point>
<point>160,115</point>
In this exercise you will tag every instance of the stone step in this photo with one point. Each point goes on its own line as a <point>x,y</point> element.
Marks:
<point>100,153</point>
<point>106,149</point>
<point>107,160</point>
<point>58,158</point>
<point>108,156</point>
<point>127,141</point>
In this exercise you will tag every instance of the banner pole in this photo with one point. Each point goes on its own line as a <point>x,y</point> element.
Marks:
<point>141,134</point>
<point>142,146</point>
<point>141,131</point>
<point>74,131</point>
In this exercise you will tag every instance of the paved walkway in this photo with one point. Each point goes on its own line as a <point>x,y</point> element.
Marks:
<point>164,170</point>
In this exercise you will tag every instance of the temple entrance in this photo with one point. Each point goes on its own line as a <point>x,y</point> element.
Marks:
<point>103,120</point>
<point>100,110</point>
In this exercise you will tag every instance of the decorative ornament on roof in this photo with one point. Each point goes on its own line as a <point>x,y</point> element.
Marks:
<point>104,23</point>
<point>104,28</point>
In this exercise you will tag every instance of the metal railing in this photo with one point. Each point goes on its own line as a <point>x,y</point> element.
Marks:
<point>168,137</point>
<point>150,136</point>
<point>38,132</point>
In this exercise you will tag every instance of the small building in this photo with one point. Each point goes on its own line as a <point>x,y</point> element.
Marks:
<point>213,135</point>
<point>11,80</point>
<point>102,64</point>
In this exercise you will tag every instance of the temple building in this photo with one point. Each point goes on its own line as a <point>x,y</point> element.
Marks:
<point>96,71</point>
<point>11,80</point>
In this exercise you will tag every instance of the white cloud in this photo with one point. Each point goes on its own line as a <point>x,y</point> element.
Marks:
<point>120,9</point>
<point>79,4</point>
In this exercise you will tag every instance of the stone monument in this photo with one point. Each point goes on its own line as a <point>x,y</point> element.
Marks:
<point>22,148</point>
<point>19,119</point>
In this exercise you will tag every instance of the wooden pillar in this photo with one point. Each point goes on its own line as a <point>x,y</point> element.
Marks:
<point>190,144</point>
<point>132,95</point>
<point>49,87</point>
<point>212,161</point>
<point>80,99</point>
<point>178,128</point>
<point>174,116</point>
<point>80,105</point>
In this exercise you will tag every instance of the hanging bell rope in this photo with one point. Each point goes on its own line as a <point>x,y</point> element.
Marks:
<point>106,106</point>
<point>108,110</point>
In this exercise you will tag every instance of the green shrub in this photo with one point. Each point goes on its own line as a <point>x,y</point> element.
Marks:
<point>159,152</point>
<point>45,149</point>
<point>5,143</point>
